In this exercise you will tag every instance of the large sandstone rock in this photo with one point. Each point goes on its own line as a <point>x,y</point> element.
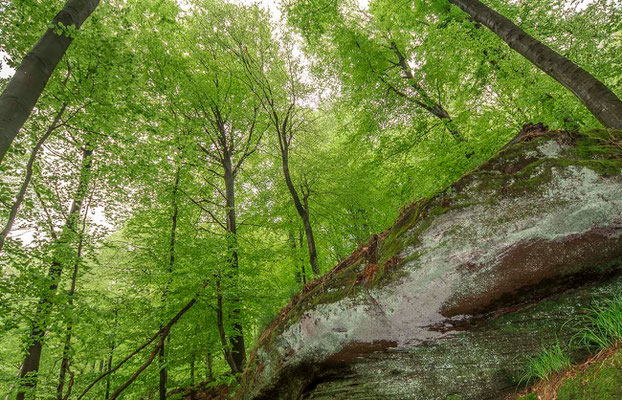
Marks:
<point>448,302</point>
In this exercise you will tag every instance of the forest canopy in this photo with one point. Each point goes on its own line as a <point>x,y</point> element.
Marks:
<point>172,172</point>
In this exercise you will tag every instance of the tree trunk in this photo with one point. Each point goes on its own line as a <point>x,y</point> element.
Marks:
<point>238,349</point>
<point>28,376</point>
<point>64,364</point>
<point>171,263</point>
<point>599,99</point>
<point>301,275</point>
<point>209,371</point>
<point>303,211</point>
<point>23,90</point>
<point>221,328</point>
<point>29,166</point>
<point>110,355</point>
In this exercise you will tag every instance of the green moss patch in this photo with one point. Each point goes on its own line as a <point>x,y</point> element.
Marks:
<point>601,381</point>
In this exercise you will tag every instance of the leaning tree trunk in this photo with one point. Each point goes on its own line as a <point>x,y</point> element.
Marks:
<point>23,90</point>
<point>598,98</point>
<point>450,301</point>
<point>30,367</point>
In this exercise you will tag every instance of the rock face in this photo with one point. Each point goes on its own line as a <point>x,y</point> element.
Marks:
<point>448,302</point>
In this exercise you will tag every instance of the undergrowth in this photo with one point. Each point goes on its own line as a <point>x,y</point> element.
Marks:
<point>599,328</point>
<point>551,360</point>
<point>602,324</point>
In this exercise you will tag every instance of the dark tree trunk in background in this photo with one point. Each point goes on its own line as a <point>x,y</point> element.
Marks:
<point>29,167</point>
<point>301,209</point>
<point>238,349</point>
<point>301,274</point>
<point>30,367</point>
<point>221,327</point>
<point>110,355</point>
<point>209,371</point>
<point>171,263</point>
<point>64,364</point>
<point>23,90</point>
<point>599,99</point>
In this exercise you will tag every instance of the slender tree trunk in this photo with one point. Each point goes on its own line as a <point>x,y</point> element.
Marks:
<point>301,275</point>
<point>162,334</point>
<point>192,362</point>
<point>23,90</point>
<point>209,372</point>
<point>65,361</point>
<point>303,211</point>
<point>110,355</point>
<point>29,170</point>
<point>221,328</point>
<point>64,365</point>
<point>171,263</point>
<point>32,359</point>
<point>599,99</point>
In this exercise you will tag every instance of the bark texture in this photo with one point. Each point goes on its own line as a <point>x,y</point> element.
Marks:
<point>450,301</point>
<point>597,97</point>
<point>23,90</point>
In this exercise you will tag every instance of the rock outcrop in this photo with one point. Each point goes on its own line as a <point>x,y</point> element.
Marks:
<point>448,302</point>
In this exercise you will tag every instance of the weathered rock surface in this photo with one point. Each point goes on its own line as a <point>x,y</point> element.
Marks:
<point>448,302</point>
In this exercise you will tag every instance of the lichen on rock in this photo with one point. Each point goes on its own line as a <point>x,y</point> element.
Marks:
<point>444,302</point>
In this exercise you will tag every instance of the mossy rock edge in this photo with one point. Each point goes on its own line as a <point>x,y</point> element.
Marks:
<point>452,299</point>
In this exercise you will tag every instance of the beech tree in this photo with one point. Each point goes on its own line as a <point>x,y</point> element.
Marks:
<point>598,98</point>
<point>23,90</point>
<point>236,157</point>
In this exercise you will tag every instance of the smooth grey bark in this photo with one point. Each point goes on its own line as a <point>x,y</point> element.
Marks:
<point>23,90</point>
<point>598,98</point>
<point>29,171</point>
<point>32,359</point>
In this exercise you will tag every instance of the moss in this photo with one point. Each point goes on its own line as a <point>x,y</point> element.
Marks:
<point>530,396</point>
<point>601,134</point>
<point>602,381</point>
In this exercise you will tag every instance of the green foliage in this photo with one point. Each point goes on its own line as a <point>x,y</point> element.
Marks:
<point>159,90</point>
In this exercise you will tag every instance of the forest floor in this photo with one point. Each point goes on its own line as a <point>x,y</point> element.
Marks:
<point>598,378</point>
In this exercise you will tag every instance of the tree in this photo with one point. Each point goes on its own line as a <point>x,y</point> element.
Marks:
<point>23,90</point>
<point>62,255</point>
<point>598,98</point>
